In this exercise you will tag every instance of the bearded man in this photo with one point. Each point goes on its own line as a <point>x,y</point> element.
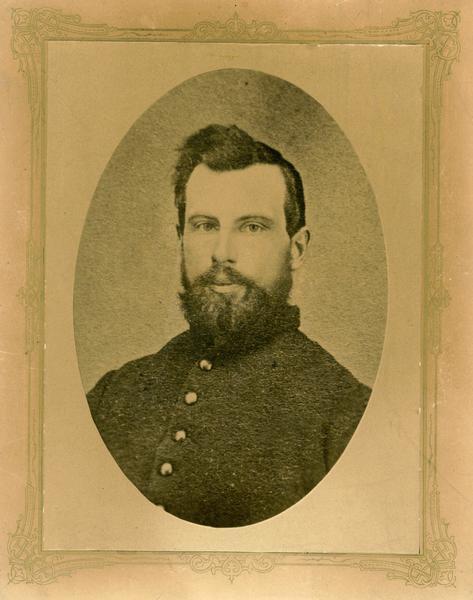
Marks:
<point>240,416</point>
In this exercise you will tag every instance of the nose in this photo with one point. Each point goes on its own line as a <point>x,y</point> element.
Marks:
<point>224,249</point>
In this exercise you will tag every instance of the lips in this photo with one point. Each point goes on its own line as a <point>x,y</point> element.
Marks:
<point>226,288</point>
<point>221,279</point>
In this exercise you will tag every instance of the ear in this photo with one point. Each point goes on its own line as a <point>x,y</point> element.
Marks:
<point>299,243</point>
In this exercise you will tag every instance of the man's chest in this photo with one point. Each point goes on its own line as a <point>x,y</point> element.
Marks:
<point>220,430</point>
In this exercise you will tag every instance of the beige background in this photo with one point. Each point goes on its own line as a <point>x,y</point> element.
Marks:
<point>373,93</point>
<point>454,441</point>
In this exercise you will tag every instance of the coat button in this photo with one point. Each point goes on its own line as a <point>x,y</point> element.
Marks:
<point>180,435</point>
<point>165,469</point>
<point>190,397</point>
<point>205,364</point>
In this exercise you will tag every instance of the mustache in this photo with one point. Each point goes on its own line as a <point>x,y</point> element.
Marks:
<point>222,274</point>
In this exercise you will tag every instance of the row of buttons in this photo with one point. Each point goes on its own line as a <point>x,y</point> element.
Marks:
<point>166,468</point>
<point>189,398</point>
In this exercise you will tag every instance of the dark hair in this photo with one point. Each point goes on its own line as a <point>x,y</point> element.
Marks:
<point>229,148</point>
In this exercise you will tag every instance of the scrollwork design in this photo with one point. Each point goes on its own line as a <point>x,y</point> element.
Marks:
<point>441,30</point>
<point>235,29</point>
<point>438,296</point>
<point>27,563</point>
<point>230,565</point>
<point>30,295</point>
<point>31,27</point>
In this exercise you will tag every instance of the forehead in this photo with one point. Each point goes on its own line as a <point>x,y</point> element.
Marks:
<point>257,189</point>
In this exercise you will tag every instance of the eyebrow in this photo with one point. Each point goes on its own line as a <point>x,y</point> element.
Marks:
<point>201,216</point>
<point>266,220</point>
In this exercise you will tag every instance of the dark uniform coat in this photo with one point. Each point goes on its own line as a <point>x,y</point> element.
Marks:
<point>229,439</point>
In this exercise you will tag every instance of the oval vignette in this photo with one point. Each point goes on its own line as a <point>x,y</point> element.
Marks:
<point>250,434</point>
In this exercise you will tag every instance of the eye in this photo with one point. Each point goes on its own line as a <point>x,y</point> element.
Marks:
<point>205,226</point>
<point>253,227</point>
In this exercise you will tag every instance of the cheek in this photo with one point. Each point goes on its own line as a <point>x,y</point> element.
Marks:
<point>264,261</point>
<point>197,256</point>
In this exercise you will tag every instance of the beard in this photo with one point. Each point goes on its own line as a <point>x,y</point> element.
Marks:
<point>234,322</point>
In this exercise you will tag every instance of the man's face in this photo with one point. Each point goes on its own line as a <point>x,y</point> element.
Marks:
<point>235,220</point>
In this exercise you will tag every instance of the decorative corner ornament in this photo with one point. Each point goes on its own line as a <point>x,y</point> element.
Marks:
<point>27,564</point>
<point>441,31</point>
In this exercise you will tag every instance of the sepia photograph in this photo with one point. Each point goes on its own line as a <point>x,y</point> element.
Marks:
<point>241,414</point>
<point>233,299</point>
<point>236,240</point>
<point>233,305</point>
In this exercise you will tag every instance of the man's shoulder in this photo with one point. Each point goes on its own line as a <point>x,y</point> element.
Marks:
<point>309,354</point>
<point>139,369</point>
<point>173,349</point>
<point>309,361</point>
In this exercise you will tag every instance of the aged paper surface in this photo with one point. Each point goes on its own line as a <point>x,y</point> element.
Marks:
<point>382,514</point>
